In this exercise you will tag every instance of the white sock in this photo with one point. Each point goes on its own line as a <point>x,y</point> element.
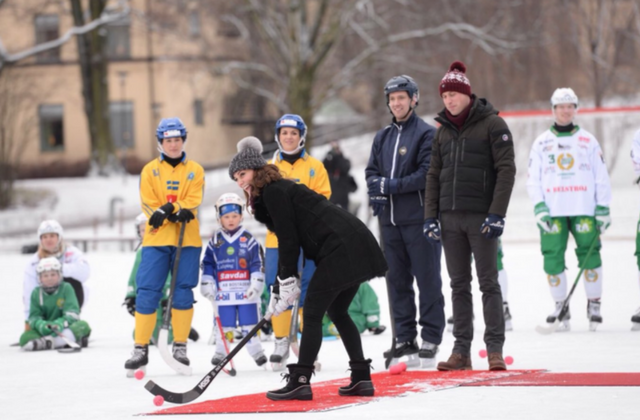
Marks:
<point>592,280</point>
<point>557,286</point>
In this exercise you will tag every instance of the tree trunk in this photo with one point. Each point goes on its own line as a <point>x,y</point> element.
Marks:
<point>299,96</point>
<point>95,87</point>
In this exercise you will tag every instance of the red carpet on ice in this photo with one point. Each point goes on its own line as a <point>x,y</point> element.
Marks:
<point>325,394</point>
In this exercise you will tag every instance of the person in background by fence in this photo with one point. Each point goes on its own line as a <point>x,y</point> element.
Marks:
<point>569,186</point>
<point>338,167</point>
<point>75,268</point>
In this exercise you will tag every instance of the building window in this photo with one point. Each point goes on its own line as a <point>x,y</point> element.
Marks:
<point>51,127</point>
<point>198,111</point>
<point>121,124</point>
<point>47,30</point>
<point>119,39</point>
<point>194,24</point>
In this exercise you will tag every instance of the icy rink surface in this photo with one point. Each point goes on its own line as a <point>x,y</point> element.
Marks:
<point>92,384</point>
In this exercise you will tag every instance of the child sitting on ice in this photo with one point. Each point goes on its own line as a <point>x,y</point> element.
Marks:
<point>54,312</point>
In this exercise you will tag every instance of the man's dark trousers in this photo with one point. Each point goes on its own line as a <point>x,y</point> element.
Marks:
<point>410,255</point>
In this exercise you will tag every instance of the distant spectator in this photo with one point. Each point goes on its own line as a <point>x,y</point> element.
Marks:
<point>338,166</point>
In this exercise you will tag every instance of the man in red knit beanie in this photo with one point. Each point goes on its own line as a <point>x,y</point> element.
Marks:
<point>469,185</point>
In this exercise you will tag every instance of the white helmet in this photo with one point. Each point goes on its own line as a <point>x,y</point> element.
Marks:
<point>50,226</point>
<point>564,96</point>
<point>140,219</point>
<point>229,198</point>
<point>49,264</point>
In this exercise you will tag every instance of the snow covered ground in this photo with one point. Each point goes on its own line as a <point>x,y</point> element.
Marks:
<point>92,384</point>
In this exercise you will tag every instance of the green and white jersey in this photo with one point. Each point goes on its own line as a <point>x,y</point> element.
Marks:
<point>567,172</point>
<point>50,307</point>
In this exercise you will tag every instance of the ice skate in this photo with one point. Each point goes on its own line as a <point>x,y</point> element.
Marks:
<point>507,317</point>
<point>217,358</point>
<point>427,355</point>
<point>564,324</point>
<point>180,353</point>
<point>593,313</point>
<point>138,361</point>
<point>280,354</point>
<point>408,350</point>
<point>635,321</point>
<point>42,343</point>
<point>259,358</point>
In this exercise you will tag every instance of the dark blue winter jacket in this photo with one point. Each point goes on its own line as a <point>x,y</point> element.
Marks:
<point>402,151</point>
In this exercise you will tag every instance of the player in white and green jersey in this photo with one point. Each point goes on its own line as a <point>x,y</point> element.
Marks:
<point>570,189</point>
<point>635,157</point>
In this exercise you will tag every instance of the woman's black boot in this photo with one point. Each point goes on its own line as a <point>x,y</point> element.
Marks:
<point>298,386</point>
<point>361,384</point>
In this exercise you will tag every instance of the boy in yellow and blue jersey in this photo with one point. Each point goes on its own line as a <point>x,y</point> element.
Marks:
<point>296,164</point>
<point>171,190</point>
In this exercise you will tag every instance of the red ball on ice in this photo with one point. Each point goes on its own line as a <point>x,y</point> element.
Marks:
<point>508,360</point>
<point>139,374</point>
<point>403,366</point>
<point>396,369</point>
<point>158,400</point>
<point>483,353</point>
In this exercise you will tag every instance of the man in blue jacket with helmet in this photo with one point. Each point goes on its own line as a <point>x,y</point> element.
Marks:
<point>396,179</point>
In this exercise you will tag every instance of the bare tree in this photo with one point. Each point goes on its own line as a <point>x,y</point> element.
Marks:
<point>304,52</point>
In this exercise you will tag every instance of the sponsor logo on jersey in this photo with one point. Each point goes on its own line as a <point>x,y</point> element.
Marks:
<point>584,139</point>
<point>222,297</point>
<point>584,225</point>
<point>565,161</point>
<point>233,275</point>
<point>60,302</point>
<point>191,176</point>
<point>173,185</point>
<point>242,263</point>
<point>547,148</point>
<point>231,250</point>
<point>171,198</point>
<point>312,173</point>
<point>155,172</point>
<point>243,239</point>
<point>584,167</point>
<point>240,296</point>
<point>568,188</point>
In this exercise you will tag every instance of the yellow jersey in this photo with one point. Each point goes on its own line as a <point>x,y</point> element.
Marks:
<point>306,170</point>
<point>183,186</point>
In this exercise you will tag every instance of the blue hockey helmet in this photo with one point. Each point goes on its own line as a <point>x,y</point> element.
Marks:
<point>171,127</point>
<point>295,121</point>
<point>402,83</point>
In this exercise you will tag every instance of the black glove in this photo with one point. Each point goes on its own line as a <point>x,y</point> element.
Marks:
<point>182,216</point>
<point>130,303</point>
<point>493,226</point>
<point>157,218</point>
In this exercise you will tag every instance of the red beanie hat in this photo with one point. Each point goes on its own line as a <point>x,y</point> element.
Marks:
<point>455,80</point>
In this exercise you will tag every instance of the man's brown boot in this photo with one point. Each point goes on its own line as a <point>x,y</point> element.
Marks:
<point>496,362</point>
<point>456,362</point>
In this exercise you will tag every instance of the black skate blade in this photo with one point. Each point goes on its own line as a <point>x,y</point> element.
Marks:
<point>69,350</point>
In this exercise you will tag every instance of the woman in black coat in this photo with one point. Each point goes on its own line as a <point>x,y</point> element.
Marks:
<point>344,250</point>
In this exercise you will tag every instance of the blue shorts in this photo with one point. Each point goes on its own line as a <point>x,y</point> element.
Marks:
<point>232,315</point>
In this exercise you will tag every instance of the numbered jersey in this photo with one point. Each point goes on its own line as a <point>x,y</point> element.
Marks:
<point>567,172</point>
<point>233,260</point>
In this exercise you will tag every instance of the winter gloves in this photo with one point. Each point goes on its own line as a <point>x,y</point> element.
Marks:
<point>158,217</point>
<point>543,219</point>
<point>379,189</point>
<point>255,290</point>
<point>182,216</point>
<point>431,230</point>
<point>288,293</point>
<point>208,287</point>
<point>130,303</point>
<point>493,226</point>
<point>603,220</point>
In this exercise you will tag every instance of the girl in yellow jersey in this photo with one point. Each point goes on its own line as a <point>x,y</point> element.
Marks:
<point>295,164</point>
<point>171,190</point>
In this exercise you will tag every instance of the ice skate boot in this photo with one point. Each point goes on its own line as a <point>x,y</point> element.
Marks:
<point>259,358</point>
<point>217,358</point>
<point>180,353</point>
<point>564,324</point>
<point>593,313</point>
<point>41,343</point>
<point>635,320</point>
<point>450,324</point>
<point>427,355</point>
<point>507,317</point>
<point>138,361</point>
<point>280,354</point>
<point>408,349</point>
<point>377,330</point>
